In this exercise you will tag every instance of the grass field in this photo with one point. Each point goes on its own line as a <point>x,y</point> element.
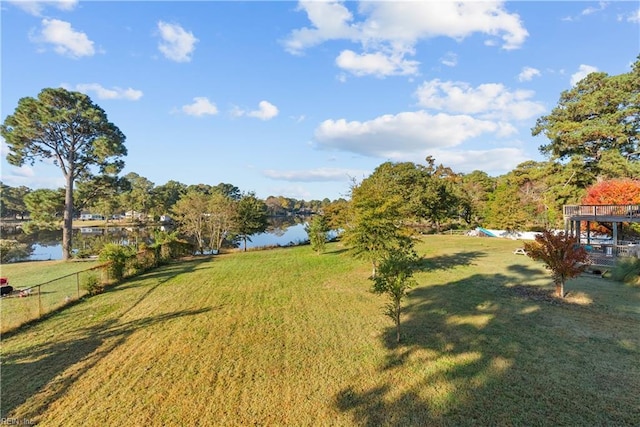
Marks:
<point>59,282</point>
<point>286,337</point>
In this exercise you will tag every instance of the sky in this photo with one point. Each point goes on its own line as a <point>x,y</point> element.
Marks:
<point>299,99</point>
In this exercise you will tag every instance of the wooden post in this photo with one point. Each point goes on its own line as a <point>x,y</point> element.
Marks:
<point>39,301</point>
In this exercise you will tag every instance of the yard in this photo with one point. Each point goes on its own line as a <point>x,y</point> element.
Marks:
<point>288,337</point>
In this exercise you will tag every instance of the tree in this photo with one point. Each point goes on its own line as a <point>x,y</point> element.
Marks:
<point>317,230</point>
<point>376,222</point>
<point>140,197</point>
<point>12,250</point>
<point>251,217</point>
<point>45,208</point>
<point>101,194</point>
<point>395,278</point>
<point>12,200</point>
<point>228,190</point>
<point>477,188</point>
<point>561,254</point>
<point>221,214</point>
<point>70,129</point>
<point>600,114</point>
<point>190,213</point>
<point>167,196</point>
<point>613,192</point>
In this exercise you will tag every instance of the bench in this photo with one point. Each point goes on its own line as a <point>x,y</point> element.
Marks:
<point>520,251</point>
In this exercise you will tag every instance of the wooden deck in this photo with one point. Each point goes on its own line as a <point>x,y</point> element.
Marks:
<point>602,213</point>
<point>603,254</point>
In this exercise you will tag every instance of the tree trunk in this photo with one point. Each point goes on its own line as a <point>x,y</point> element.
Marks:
<point>67,227</point>
<point>560,289</point>
<point>245,243</point>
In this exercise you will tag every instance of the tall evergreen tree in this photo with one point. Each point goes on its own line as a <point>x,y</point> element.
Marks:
<point>72,131</point>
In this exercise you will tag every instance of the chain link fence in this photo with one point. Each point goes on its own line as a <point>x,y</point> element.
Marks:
<point>27,304</point>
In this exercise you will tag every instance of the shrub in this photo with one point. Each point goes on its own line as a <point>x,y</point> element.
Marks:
<point>92,284</point>
<point>117,255</point>
<point>627,270</point>
<point>12,250</point>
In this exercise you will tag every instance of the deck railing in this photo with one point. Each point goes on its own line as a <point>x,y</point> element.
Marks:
<point>622,211</point>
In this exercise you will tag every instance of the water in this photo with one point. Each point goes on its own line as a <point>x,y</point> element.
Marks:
<point>282,232</point>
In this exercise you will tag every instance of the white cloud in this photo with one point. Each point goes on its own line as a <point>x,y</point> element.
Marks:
<point>378,64</point>
<point>330,20</point>
<point>177,44</point>
<point>401,135</point>
<point>528,73</point>
<point>583,71</point>
<point>450,59</point>
<point>201,106</point>
<point>488,101</point>
<point>591,10</point>
<point>114,93</point>
<point>314,175</point>
<point>495,161</point>
<point>265,111</point>
<point>37,7</point>
<point>65,40</point>
<point>634,16</point>
<point>390,31</point>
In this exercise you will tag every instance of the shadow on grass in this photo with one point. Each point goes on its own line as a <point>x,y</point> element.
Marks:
<point>34,374</point>
<point>473,354</point>
<point>446,262</point>
<point>162,274</point>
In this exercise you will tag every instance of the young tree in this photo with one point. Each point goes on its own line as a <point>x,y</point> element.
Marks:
<point>561,254</point>
<point>317,230</point>
<point>251,217</point>
<point>395,278</point>
<point>70,129</point>
<point>376,223</point>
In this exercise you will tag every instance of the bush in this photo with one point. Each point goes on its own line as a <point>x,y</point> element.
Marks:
<point>12,250</point>
<point>92,284</point>
<point>627,270</point>
<point>117,255</point>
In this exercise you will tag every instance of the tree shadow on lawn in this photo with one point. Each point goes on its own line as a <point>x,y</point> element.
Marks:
<point>449,261</point>
<point>31,372</point>
<point>42,373</point>
<point>473,352</point>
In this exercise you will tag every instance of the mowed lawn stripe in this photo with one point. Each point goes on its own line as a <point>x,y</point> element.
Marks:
<point>287,337</point>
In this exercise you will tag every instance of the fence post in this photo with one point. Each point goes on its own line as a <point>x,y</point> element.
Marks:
<point>39,301</point>
<point>78,283</point>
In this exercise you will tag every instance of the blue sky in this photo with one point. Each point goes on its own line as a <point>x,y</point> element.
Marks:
<point>297,98</point>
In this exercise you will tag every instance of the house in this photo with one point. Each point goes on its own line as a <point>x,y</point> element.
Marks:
<point>90,216</point>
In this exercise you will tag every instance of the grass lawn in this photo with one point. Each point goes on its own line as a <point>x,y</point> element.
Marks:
<point>286,337</point>
<point>60,286</point>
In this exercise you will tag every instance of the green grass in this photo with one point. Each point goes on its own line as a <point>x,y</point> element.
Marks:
<point>286,337</point>
<point>59,286</point>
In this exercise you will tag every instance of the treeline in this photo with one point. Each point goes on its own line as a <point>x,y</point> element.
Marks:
<point>111,197</point>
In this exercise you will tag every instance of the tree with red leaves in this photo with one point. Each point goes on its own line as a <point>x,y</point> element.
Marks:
<point>561,254</point>
<point>624,191</point>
